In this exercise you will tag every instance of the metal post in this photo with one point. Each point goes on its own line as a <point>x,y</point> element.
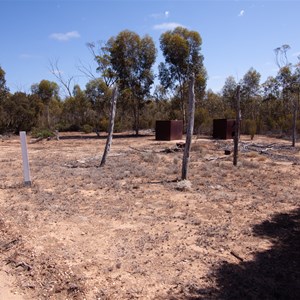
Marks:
<point>26,170</point>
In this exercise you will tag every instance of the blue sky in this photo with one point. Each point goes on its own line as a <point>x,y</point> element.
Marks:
<point>237,35</point>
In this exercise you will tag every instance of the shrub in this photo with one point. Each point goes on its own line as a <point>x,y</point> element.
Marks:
<point>86,128</point>
<point>41,133</point>
<point>250,127</point>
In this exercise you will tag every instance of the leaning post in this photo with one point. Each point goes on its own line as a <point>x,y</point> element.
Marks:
<point>113,107</point>
<point>26,170</point>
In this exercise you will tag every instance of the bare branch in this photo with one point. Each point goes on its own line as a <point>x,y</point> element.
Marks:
<point>86,70</point>
<point>66,83</point>
<point>281,56</point>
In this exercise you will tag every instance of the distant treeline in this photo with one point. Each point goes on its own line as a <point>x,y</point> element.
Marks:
<point>127,60</point>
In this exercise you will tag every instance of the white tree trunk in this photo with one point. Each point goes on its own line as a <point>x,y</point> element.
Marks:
<point>113,107</point>
<point>190,129</point>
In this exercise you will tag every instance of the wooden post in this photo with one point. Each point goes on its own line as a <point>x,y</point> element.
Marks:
<point>26,170</point>
<point>113,107</point>
<point>237,126</point>
<point>190,129</point>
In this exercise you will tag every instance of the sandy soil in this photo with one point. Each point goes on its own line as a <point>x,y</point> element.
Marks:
<point>131,230</point>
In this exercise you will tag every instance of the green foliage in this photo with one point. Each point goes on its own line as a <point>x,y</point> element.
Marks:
<point>3,88</point>
<point>20,112</point>
<point>203,121</point>
<point>249,127</point>
<point>132,58</point>
<point>47,91</point>
<point>128,60</point>
<point>229,92</point>
<point>182,52</point>
<point>86,128</point>
<point>41,133</point>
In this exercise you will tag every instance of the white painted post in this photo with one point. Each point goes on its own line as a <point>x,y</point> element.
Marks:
<point>26,170</point>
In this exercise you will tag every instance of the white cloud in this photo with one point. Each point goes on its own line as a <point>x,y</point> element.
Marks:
<point>65,36</point>
<point>167,26</point>
<point>241,14</point>
<point>164,15</point>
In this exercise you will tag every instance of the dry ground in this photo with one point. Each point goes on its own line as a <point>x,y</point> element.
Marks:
<point>131,231</point>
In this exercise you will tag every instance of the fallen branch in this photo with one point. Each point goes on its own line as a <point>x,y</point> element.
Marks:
<point>215,158</point>
<point>143,150</point>
<point>9,245</point>
<point>36,140</point>
<point>24,265</point>
<point>233,253</point>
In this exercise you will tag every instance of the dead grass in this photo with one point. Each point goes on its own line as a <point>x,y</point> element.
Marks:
<point>125,231</point>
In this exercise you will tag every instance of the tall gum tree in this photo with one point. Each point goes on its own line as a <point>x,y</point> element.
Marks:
<point>181,49</point>
<point>250,92</point>
<point>46,90</point>
<point>289,79</point>
<point>131,58</point>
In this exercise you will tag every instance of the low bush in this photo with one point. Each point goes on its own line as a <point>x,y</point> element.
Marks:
<point>41,133</point>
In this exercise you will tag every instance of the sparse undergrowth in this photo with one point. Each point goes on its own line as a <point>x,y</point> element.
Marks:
<point>132,229</point>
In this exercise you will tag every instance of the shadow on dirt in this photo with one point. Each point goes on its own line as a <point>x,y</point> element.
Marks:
<point>273,274</point>
<point>102,137</point>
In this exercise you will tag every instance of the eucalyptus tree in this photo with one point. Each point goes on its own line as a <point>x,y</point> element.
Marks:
<point>229,92</point>
<point>77,110</point>
<point>131,58</point>
<point>3,88</point>
<point>181,49</point>
<point>4,94</point>
<point>47,91</point>
<point>250,94</point>
<point>98,94</point>
<point>289,79</point>
<point>272,108</point>
<point>21,112</point>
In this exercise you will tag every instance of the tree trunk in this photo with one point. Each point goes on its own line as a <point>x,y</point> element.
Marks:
<point>48,115</point>
<point>190,129</point>
<point>295,114</point>
<point>183,108</point>
<point>237,126</point>
<point>113,107</point>
<point>137,120</point>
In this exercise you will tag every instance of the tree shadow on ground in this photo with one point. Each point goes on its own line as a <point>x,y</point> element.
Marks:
<point>102,137</point>
<point>273,274</point>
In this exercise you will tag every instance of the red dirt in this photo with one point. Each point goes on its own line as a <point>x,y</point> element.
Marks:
<point>131,231</point>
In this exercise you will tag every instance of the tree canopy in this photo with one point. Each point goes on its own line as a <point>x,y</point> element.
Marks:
<point>132,58</point>
<point>181,49</point>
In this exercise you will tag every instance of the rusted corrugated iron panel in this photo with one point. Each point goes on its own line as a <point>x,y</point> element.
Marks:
<point>168,130</point>
<point>223,129</point>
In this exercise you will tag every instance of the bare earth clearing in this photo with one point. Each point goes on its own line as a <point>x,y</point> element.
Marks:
<point>130,231</point>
